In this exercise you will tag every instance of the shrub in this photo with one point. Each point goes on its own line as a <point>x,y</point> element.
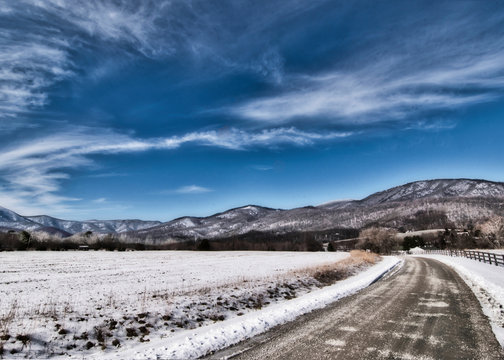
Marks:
<point>378,240</point>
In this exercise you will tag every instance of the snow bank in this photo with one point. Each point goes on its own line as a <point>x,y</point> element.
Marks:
<point>487,283</point>
<point>195,343</point>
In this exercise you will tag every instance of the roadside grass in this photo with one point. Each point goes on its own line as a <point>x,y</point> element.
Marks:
<point>330,273</point>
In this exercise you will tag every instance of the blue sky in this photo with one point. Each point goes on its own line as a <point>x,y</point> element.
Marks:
<point>158,109</point>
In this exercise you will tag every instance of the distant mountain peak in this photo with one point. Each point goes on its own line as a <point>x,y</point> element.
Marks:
<point>437,188</point>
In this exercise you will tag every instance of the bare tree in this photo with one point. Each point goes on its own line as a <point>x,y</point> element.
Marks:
<point>378,240</point>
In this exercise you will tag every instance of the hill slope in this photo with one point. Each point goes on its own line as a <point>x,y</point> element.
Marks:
<point>416,205</point>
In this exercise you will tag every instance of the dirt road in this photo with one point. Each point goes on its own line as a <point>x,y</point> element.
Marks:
<point>424,311</point>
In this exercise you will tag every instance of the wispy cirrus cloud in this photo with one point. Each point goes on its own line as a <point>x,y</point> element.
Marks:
<point>378,93</point>
<point>32,172</point>
<point>26,70</point>
<point>39,41</point>
<point>262,167</point>
<point>403,71</point>
<point>192,189</point>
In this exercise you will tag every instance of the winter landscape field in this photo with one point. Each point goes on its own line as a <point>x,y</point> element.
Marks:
<point>64,303</point>
<point>251,179</point>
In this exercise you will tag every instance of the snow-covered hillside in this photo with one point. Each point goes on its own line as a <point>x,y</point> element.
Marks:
<point>450,202</point>
<point>436,189</point>
<point>9,219</point>
<point>238,220</point>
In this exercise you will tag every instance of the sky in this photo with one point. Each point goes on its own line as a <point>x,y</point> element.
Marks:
<point>159,109</point>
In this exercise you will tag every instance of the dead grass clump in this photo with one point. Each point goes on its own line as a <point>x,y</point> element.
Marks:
<point>364,256</point>
<point>7,319</point>
<point>25,339</point>
<point>100,336</point>
<point>144,330</point>
<point>329,274</point>
<point>131,332</point>
<point>112,324</point>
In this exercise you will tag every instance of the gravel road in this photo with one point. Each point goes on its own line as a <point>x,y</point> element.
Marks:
<point>424,311</point>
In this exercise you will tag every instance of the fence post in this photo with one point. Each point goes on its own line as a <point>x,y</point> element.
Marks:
<point>490,258</point>
<point>495,260</point>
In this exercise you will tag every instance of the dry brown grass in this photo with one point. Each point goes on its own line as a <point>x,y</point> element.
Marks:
<point>330,273</point>
<point>363,256</point>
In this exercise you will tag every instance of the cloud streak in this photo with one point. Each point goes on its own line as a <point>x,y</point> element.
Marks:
<point>401,72</point>
<point>192,189</point>
<point>375,94</point>
<point>32,172</point>
<point>39,41</point>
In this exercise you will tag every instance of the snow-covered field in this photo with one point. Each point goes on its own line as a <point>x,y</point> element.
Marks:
<point>487,283</point>
<point>56,303</point>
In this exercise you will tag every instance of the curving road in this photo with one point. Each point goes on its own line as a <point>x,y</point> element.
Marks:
<point>424,311</point>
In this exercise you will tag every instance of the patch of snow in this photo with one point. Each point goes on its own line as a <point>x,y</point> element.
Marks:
<point>434,303</point>
<point>335,342</point>
<point>417,250</point>
<point>228,215</point>
<point>184,223</point>
<point>496,251</point>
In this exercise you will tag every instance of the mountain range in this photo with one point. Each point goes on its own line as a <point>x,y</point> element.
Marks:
<point>417,205</point>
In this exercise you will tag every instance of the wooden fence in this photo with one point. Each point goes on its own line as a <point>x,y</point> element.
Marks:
<point>481,256</point>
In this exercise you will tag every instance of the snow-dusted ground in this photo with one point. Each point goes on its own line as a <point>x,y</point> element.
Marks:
<point>192,344</point>
<point>487,283</point>
<point>124,305</point>
<point>76,299</point>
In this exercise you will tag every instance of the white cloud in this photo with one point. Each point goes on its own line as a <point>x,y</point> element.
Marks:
<point>134,23</point>
<point>38,39</point>
<point>32,171</point>
<point>377,93</point>
<point>100,200</point>
<point>406,69</point>
<point>262,167</point>
<point>107,175</point>
<point>192,189</point>
<point>27,69</point>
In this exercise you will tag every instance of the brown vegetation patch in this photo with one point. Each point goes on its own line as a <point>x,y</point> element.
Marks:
<point>329,274</point>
